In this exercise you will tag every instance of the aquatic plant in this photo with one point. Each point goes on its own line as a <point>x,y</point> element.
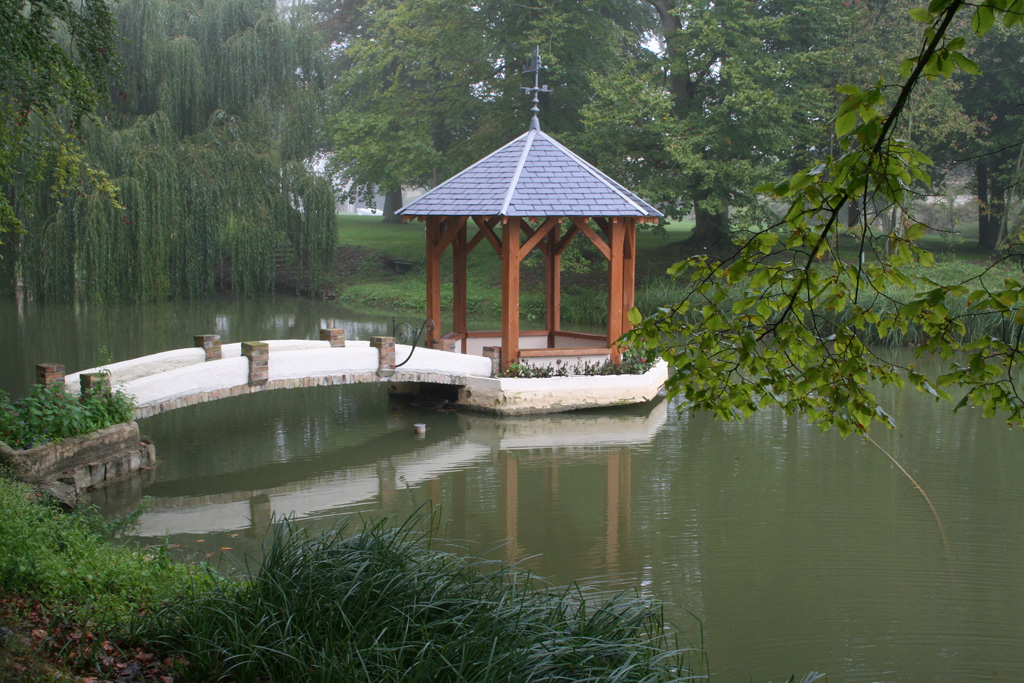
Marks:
<point>384,605</point>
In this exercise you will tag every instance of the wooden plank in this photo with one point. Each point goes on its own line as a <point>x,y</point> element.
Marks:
<point>497,333</point>
<point>433,278</point>
<point>549,353</point>
<point>459,296</point>
<point>538,234</point>
<point>585,228</point>
<point>553,283</point>
<point>569,334</point>
<point>509,292</point>
<point>628,273</point>
<point>485,225</point>
<point>615,267</point>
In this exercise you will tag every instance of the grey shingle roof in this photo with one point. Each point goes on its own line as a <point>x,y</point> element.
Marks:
<point>533,175</point>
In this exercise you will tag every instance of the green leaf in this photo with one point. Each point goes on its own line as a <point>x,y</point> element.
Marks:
<point>921,15</point>
<point>982,20</point>
<point>846,123</point>
<point>634,316</point>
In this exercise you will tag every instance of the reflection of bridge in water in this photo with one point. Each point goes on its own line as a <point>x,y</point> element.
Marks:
<point>482,440</point>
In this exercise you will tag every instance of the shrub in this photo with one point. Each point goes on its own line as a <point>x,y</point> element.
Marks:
<point>633,363</point>
<point>65,560</point>
<point>50,414</point>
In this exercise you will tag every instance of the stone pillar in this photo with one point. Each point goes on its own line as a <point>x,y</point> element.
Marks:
<point>444,344</point>
<point>258,354</point>
<point>494,353</point>
<point>334,335</point>
<point>49,373</point>
<point>210,343</point>
<point>386,355</point>
<point>94,381</point>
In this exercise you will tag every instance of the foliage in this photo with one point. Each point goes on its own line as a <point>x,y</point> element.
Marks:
<point>633,363</point>
<point>426,87</point>
<point>382,605</point>
<point>61,558</point>
<point>55,56</point>
<point>50,413</point>
<point>209,145</point>
<point>783,343</point>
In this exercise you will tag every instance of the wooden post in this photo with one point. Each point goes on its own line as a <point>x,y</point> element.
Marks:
<point>509,292</point>
<point>433,279</point>
<point>615,314</point>
<point>459,298</point>
<point>628,273</point>
<point>553,285</point>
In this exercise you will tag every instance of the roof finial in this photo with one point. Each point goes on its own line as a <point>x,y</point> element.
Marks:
<point>534,67</point>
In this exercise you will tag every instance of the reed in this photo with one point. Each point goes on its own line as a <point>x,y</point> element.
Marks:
<point>383,604</point>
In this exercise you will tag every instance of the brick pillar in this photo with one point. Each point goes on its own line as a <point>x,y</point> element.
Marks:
<point>494,353</point>
<point>94,381</point>
<point>258,354</point>
<point>386,355</point>
<point>443,344</point>
<point>335,335</point>
<point>49,373</point>
<point>210,343</point>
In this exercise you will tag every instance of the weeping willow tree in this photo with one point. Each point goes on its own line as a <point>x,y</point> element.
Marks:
<point>207,141</point>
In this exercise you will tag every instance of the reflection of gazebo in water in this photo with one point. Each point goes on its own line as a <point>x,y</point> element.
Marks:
<point>528,188</point>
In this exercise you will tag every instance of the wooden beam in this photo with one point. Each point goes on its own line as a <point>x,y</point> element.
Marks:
<point>527,229</point>
<point>550,353</point>
<point>433,278</point>
<point>585,228</point>
<point>534,239</point>
<point>453,228</point>
<point>459,298</point>
<point>509,292</point>
<point>603,224</point>
<point>628,272</point>
<point>553,282</point>
<point>564,242</point>
<point>615,267</point>
<point>486,226</point>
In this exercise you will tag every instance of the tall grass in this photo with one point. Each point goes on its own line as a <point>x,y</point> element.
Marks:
<point>383,605</point>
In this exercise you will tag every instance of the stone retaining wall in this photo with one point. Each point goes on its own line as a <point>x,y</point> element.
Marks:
<point>83,461</point>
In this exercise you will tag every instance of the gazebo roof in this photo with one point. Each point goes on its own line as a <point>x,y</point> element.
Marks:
<point>533,175</point>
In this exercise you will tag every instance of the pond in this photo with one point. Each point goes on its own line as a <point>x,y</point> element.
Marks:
<point>797,551</point>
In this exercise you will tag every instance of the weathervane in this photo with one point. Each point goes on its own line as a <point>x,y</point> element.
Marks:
<point>534,67</point>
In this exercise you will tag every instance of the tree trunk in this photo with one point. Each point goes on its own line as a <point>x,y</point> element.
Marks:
<point>711,227</point>
<point>392,203</point>
<point>988,227</point>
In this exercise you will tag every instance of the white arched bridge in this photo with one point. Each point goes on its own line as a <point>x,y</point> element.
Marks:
<point>189,376</point>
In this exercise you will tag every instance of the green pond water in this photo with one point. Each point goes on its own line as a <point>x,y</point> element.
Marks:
<point>797,551</point>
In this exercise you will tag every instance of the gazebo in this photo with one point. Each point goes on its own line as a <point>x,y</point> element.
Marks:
<point>518,197</point>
